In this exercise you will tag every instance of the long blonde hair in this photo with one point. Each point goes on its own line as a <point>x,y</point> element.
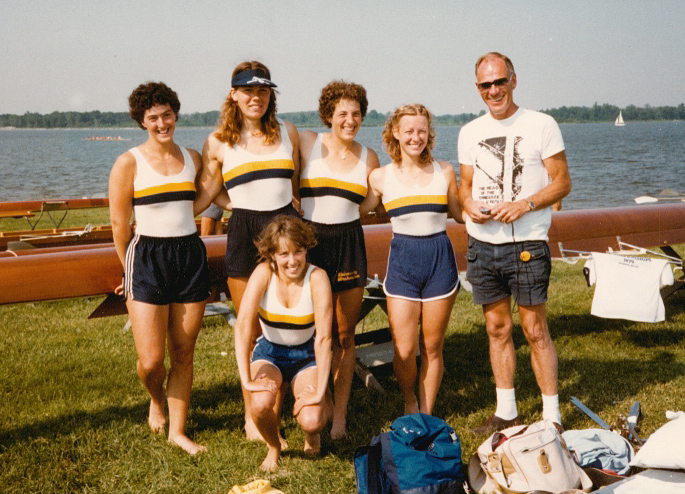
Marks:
<point>392,145</point>
<point>231,118</point>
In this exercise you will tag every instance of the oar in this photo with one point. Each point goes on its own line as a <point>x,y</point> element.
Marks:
<point>648,199</point>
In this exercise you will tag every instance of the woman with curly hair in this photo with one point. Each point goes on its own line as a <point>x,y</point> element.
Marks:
<point>333,184</point>
<point>422,280</point>
<point>292,299</point>
<point>166,278</point>
<point>250,165</point>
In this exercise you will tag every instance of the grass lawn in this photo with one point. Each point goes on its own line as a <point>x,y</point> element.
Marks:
<point>73,412</point>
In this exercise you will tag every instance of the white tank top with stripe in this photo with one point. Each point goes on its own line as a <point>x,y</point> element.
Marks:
<point>287,326</point>
<point>418,211</point>
<point>259,182</point>
<point>332,197</point>
<point>163,204</point>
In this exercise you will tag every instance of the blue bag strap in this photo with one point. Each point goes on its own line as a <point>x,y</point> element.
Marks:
<point>389,463</point>
<point>373,469</point>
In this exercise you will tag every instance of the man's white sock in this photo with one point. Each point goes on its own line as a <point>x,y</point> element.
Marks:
<point>550,408</point>
<point>506,404</point>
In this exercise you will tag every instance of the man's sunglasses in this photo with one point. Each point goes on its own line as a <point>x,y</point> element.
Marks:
<point>485,86</point>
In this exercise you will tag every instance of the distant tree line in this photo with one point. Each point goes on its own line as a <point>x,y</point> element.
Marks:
<point>608,113</point>
<point>98,119</point>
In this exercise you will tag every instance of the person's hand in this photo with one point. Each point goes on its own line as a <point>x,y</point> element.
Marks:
<point>262,383</point>
<point>508,212</point>
<point>309,396</point>
<point>478,211</point>
<point>119,290</point>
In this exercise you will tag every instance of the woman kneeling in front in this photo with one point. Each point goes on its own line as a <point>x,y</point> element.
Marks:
<point>293,302</point>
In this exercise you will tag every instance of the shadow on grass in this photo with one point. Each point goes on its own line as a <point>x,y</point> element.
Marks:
<point>603,378</point>
<point>67,424</point>
<point>208,411</point>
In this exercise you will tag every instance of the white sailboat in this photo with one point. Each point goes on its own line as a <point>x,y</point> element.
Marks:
<point>619,120</point>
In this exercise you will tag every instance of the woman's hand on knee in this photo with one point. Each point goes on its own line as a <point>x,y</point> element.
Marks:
<point>262,383</point>
<point>307,397</point>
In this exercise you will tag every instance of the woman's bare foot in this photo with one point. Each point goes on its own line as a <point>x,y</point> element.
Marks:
<point>339,428</point>
<point>411,407</point>
<point>251,431</point>
<point>270,463</point>
<point>312,444</point>
<point>253,434</point>
<point>184,442</point>
<point>156,418</point>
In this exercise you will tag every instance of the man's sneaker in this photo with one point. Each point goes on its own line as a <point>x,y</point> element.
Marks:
<point>494,424</point>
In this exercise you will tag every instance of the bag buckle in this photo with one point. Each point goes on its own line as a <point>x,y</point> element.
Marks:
<point>494,463</point>
<point>543,461</point>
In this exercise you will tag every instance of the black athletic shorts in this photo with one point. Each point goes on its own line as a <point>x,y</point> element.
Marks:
<point>341,252</point>
<point>244,226</point>
<point>165,270</point>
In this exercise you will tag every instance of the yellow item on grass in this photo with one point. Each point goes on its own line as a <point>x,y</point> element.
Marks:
<point>259,486</point>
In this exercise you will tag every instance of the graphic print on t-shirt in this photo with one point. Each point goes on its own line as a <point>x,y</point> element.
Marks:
<point>503,165</point>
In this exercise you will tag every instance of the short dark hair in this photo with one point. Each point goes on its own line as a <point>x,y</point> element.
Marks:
<point>334,92</point>
<point>148,95</point>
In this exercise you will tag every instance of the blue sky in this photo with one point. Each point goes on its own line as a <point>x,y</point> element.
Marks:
<point>89,55</point>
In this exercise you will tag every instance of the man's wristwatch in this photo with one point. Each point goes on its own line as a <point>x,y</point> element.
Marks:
<point>531,204</point>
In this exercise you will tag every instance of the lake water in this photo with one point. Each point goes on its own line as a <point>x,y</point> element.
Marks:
<point>609,165</point>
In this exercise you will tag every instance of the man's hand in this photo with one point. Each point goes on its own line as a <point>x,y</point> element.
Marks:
<point>508,212</point>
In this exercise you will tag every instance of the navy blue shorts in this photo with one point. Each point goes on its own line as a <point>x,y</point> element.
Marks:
<point>341,252</point>
<point>421,268</point>
<point>162,270</point>
<point>496,271</point>
<point>244,226</point>
<point>290,360</point>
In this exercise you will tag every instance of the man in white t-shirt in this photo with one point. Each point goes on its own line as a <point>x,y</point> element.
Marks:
<point>512,171</point>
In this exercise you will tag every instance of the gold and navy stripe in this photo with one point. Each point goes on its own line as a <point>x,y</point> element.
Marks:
<point>318,187</point>
<point>182,191</point>
<point>259,170</point>
<point>417,204</point>
<point>282,321</point>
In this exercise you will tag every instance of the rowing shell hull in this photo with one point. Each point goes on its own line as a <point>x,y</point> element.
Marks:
<point>84,271</point>
<point>77,203</point>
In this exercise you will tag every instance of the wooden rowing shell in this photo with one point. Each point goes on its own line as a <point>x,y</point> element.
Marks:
<point>81,271</point>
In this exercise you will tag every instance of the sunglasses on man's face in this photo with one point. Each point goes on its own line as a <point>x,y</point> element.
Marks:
<point>485,86</point>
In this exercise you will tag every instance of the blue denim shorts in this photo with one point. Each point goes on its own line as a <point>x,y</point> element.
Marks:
<point>421,268</point>
<point>497,271</point>
<point>290,360</point>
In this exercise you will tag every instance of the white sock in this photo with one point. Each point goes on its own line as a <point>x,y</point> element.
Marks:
<point>550,408</point>
<point>506,404</point>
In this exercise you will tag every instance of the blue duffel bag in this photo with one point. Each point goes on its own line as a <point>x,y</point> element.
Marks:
<point>421,454</point>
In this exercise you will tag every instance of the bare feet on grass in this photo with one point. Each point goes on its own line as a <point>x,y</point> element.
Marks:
<point>339,425</point>
<point>411,406</point>
<point>312,444</point>
<point>156,418</point>
<point>184,442</point>
<point>251,431</point>
<point>252,434</point>
<point>270,463</point>
<point>339,428</point>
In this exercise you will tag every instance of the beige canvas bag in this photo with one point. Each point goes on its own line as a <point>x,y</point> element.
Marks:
<point>526,458</point>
